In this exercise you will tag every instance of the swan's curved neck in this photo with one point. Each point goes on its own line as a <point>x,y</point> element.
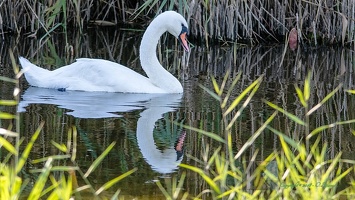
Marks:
<point>149,61</point>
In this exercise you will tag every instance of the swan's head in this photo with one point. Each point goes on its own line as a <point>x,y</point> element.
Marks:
<point>177,26</point>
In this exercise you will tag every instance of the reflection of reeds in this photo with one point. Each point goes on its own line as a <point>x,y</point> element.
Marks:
<point>321,22</point>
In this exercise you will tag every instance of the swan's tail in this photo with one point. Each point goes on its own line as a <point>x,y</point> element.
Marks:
<point>32,73</point>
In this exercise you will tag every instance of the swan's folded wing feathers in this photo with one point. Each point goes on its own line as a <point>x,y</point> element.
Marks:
<point>102,75</point>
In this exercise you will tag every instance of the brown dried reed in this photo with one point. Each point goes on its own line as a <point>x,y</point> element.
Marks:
<point>317,22</point>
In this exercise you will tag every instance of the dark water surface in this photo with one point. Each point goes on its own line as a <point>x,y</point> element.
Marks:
<point>146,127</point>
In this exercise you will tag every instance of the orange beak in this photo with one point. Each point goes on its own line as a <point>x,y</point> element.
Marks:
<point>182,39</point>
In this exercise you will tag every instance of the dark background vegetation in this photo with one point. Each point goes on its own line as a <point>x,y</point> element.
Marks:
<point>318,22</point>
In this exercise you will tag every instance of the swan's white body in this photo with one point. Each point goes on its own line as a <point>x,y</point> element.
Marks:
<point>101,75</point>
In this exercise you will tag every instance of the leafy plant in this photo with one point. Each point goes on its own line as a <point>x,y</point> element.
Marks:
<point>299,170</point>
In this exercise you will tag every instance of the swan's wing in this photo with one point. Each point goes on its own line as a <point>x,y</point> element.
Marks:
<point>103,75</point>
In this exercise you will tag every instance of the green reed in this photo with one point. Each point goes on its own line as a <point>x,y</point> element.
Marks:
<point>300,169</point>
<point>47,183</point>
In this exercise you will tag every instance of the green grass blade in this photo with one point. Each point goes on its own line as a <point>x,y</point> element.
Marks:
<point>254,136</point>
<point>245,104</point>
<point>161,6</point>
<point>300,96</point>
<point>209,181</point>
<point>321,128</point>
<point>340,177</point>
<point>214,95</point>
<point>235,81</point>
<point>75,141</point>
<point>115,196</point>
<point>146,4</point>
<point>114,181</point>
<point>8,133</point>
<point>57,168</point>
<point>350,91</point>
<point>55,157</point>
<point>331,168</point>
<point>8,146</point>
<point>41,181</point>
<point>241,96</point>
<point>28,148</point>
<point>163,190</point>
<point>324,100</point>
<point>99,159</point>
<point>8,102</point>
<point>307,87</point>
<point>224,82</point>
<point>61,147</point>
<point>287,139</point>
<point>289,115</point>
<point>4,115</point>
<point>215,85</point>
<point>206,133</point>
<point>179,186</point>
<point>6,79</point>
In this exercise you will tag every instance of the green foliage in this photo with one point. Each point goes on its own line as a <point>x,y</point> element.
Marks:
<point>174,189</point>
<point>299,170</point>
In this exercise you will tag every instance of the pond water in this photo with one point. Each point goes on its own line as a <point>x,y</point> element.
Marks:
<point>147,128</point>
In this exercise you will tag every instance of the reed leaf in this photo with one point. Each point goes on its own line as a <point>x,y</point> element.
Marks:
<point>206,133</point>
<point>211,160</point>
<point>179,186</point>
<point>41,181</point>
<point>209,181</point>
<point>215,86</point>
<point>75,141</point>
<point>235,81</point>
<point>214,95</point>
<point>331,168</point>
<point>4,115</point>
<point>144,6</point>
<point>301,96</point>
<point>324,100</point>
<point>28,148</point>
<point>307,87</point>
<point>115,196</point>
<point>8,103</point>
<point>61,147</point>
<point>163,190</point>
<point>254,136</point>
<point>8,133</point>
<point>98,160</point>
<point>242,95</point>
<point>224,82</point>
<point>289,140</point>
<point>245,104</point>
<point>6,79</point>
<point>114,181</point>
<point>350,91</point>
<point>54,157</point>
<point>8,146</point>
<point>340,177</point>
<point>286,150</point>
<point>289,115</point>
<point>324,127</point>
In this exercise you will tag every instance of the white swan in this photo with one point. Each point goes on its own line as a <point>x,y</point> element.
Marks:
<point>101,75</point>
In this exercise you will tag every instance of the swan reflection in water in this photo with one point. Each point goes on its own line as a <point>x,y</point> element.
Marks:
<point>107,105</point>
